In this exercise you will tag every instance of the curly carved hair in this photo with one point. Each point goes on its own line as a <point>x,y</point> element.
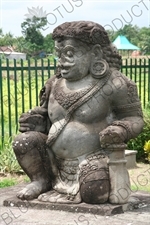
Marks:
<point>90,33</point>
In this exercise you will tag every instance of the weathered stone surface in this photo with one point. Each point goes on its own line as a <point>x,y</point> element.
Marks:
<point>21,216</point>
<point>97,209</point>
<point>72,146</point>
<point>130,156</point>
<point>138,200</point>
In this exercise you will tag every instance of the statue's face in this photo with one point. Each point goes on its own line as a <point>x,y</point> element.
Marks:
<point>73,59</point>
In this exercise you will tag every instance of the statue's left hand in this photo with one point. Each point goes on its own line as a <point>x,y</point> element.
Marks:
<point>112,135</point>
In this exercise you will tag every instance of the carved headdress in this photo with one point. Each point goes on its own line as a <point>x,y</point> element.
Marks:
<point>91,33</point>
<point>86,31</point>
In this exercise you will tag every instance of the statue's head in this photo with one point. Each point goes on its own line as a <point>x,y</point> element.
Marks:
<point>84,47</point>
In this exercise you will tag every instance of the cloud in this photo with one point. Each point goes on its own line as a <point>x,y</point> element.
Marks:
<point>108,12</point>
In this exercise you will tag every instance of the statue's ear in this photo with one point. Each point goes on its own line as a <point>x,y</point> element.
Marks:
<point>98,67</point>
<point>96,52</point>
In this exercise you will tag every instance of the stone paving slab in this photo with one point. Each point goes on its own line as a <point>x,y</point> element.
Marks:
<point>96,209</point>
<point>32,216</point>
<point>99,209</point>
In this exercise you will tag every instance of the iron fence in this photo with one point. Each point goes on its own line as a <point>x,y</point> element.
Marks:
<point>138,70</point>
<point>21,81</point>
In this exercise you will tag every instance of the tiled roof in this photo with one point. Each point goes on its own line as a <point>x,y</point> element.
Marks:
<point>6,49</point>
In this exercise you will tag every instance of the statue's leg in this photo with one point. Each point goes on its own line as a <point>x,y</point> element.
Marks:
<point>66,184</point>
<point>94,181</point>
<point>30,151</point>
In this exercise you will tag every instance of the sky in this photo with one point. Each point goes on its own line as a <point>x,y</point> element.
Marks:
<point>111,14</point>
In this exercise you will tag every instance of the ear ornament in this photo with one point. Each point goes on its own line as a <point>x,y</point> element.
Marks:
<point>99,68</point>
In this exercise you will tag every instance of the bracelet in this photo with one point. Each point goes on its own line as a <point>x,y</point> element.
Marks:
<point>125,126</point>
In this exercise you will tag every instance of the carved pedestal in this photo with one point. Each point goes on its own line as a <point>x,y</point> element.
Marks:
<point>119,177</point>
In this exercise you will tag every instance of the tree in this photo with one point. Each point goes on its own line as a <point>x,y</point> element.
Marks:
<point>49,43</point>
<point>7,39</point>
<point>144,40</point>
<point>20,44</point>
<point>34,39</point>
<point>131,32</point>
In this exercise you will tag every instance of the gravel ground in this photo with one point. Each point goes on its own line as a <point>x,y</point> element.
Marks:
<point>140,177</point>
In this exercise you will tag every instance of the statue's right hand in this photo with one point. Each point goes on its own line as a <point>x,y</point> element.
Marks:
<point>32,121</point>
<point>25,123</point>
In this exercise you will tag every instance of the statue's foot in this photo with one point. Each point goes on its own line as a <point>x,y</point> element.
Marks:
<point>133,200</point>
<point>33,190</point>
<point>55,197</point>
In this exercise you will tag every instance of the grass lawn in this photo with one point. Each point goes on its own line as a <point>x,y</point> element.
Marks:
<point>7,180</point>
<point>139,177</point>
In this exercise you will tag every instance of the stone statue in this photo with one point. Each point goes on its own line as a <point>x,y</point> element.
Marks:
<point>72,145</point>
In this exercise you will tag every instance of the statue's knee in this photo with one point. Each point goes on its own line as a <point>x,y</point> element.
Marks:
<point>27,141</point>
<point>19,144</point>
<point>95,191</point>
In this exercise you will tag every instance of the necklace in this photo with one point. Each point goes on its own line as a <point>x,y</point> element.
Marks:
<point>94,89</point>
<point>68,99</point>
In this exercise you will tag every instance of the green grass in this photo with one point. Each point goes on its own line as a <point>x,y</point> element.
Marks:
<point>141,183</point>
<point>140,188</point>
<point>32,61</point>
<point>8,162</point>
<point>140,177</point>
<point>6,182</point>
<point>20,92</point>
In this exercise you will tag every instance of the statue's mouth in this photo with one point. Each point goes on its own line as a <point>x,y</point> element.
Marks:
<point>65,69</point>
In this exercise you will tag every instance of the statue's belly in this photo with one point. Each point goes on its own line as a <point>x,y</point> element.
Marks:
<point>75,140</point>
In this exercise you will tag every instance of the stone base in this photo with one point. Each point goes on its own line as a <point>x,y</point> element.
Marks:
<point>96,209</point>
<point>106,209</point>
<point>137,200</point>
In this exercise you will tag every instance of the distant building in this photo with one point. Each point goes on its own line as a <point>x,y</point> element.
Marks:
<point>9,53</point>
<point>136,53</point>
<point>122,43</point>
<point>39,54</point>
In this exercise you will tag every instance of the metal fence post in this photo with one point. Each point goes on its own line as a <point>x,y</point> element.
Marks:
<point>1,106</point>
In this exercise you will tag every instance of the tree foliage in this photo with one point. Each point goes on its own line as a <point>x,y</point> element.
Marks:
<point>33,42</point>
<point>7,39</point>
<point>49,43</point>
<point>33,38</point>
<point>137,36</point>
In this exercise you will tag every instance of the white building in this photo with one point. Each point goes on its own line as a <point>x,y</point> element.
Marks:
<point>9,53</point>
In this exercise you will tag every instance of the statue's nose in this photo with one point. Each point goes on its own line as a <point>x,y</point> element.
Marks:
<point>62,59</point>
<point>60,63</point>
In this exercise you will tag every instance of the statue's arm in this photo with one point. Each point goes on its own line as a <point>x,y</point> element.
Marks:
<point>126,107</point>
<point>37,119</point>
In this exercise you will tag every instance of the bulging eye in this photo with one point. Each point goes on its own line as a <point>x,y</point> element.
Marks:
<point>69,53</point>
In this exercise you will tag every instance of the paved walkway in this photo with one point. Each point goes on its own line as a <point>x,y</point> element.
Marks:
<point>31,216</point>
